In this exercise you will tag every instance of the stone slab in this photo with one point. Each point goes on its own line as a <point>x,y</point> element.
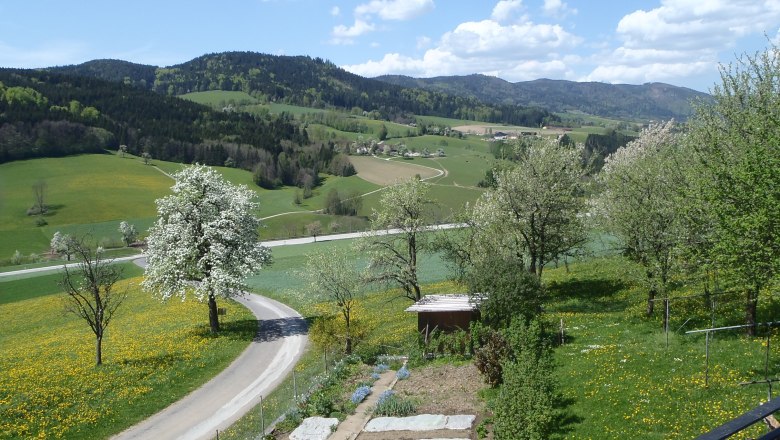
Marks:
<point>461,421</point>
<point>423,422</point>
<point>314,428</point>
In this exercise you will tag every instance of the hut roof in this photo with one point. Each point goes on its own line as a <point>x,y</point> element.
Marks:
<point>444,303</point>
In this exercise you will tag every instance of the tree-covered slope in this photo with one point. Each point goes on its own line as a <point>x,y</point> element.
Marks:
<point>46,114</point>
<point>141,75</point>
<point>307,81</point>
<point>647,101</point>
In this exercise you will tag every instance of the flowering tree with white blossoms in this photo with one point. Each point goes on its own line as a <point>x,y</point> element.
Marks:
<point>205,241</point>
<point>640,202</point>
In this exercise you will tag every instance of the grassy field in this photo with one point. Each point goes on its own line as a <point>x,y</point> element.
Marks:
<point>215,98</point>
<point>98,190</point>
<point>154,354</point>
<point>13,289</point>
<point>617,375</point>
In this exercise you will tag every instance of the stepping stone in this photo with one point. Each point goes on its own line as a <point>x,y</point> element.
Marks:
<point>459,422</point>
<point>314,428</point>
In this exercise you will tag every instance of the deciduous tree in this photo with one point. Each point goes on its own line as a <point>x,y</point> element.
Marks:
<point>736,139</point>
<point>536,209</point>
<point>640,203</point>
<point>403,206</point>
<point>128,232</point>
<point>205,241</point>
<point>91,293</point>
<point>334,276</point>
<point>63,244</point>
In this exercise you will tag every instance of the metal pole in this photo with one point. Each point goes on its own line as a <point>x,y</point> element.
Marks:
<point>766,361</point>
<point>707,359</point>
<point>666,326</point>
<point>262,418</point>
<point>325,358</point>
<point>563,336</point>
<point>295,387</point>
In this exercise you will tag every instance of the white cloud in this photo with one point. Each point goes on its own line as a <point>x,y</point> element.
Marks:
<point>384,9</point>
<point>394,9</point>
<point>423,42</point>
<point>681,38</point>
<point>335,11</point>
<point>359,28</point>
<point>557,8</point>
<point>488,37</point>
<point>514,52</point>
<point>505,9</point>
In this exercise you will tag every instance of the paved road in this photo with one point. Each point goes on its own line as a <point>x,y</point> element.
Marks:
<point>229,395</point>
<point>272,243</point>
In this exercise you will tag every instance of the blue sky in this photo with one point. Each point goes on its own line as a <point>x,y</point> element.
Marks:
<point>680,42</point>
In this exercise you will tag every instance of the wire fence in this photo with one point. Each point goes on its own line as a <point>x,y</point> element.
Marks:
<point>261,419</point>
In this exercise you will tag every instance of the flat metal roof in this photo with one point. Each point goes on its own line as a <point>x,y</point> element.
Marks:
<point>444,303</point>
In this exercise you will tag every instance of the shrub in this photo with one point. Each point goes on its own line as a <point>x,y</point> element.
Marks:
<point>509,293</point>
<point>525,407</point>
<point>381,368</point>
<point>390,405</point>
<point>16,258</point>
<point>360,394</point>
<point>403,373</point>
<point>489,357</point>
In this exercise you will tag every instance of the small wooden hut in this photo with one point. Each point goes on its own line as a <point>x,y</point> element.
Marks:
<point>444,312</point>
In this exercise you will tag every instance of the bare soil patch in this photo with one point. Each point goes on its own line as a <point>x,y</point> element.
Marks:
<point>440,389</point>
<point>387,172</point>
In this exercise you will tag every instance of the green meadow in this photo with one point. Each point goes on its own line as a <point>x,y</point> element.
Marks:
<point>216,98</point>
<point>89,193</point>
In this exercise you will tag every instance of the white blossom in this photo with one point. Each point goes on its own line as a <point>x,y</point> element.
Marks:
<point>205,240</point>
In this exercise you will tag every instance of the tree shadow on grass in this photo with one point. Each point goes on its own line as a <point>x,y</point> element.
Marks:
<point>273,329</point>
<point>567,418</point>
<point>588,295</point>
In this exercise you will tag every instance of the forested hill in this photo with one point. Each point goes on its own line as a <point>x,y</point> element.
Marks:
<point>45,114</point>
<point>141,75</point>
<point>648,101</point>
<point>306,81</point>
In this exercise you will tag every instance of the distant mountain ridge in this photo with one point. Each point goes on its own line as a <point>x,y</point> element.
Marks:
<point>657,101</point>
<point>306,81</point>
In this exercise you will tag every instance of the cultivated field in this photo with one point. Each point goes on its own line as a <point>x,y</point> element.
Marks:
<point>385,172</point>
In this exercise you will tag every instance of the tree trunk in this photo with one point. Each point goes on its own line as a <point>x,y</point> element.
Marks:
<point>650,302</point>
<point>213,317</point>
<point>348,347</point>
<point>98,350</point>
<point>750,310</point>
<point>417,292</point>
